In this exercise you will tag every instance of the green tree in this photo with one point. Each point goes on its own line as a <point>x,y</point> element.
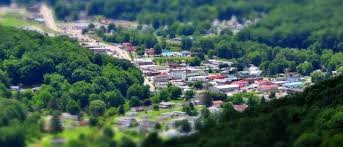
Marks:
<point>97,107</point>
<point>121,110</point>
<point>317,76</point>
<point>55,124</point>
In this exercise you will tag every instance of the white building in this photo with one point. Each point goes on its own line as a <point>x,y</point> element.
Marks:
<point>224,88</point>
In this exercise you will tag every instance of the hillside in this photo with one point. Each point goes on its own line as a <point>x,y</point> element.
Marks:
<point>55,75</point>
<point>312,118</point>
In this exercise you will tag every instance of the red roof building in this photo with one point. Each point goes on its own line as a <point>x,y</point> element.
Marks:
<point>150,52</point>
<point>129,47</point>
<point>241,83</point>
<point>217,76</point>
<point>268,87</point>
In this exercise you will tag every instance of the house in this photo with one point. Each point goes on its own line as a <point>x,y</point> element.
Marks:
<point>221,81</point>
<point>129,47</point>
<point>138,109</point>
<point>150,52</point>
<point>215,76</point>
<point>166,105</point>
<point>15,88</point>
<point>168,53</point>
<point>224,88</point>
<point>254,71</point>
<point>194,71</point>
<point>100,50</point>
<point>240,108</point>
<point>162,77</point>
<point>197,78</point>
<point>185,53</point>
<point>178,73</point>
<point>241,83</point>
<point>217,104</point>
<point>141,62</point>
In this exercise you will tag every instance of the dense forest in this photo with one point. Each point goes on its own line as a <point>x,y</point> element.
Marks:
<point>312,118</point>
<point>70,79</point>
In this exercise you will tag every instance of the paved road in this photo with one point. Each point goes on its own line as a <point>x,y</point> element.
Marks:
<point>49,18</point>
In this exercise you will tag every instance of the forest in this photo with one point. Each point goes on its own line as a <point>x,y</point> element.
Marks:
<point>70,79</point>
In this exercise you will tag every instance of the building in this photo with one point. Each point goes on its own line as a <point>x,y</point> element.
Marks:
<point>141,62</point>
<point>215,76</point>
<point>185,53</point>
<point>129,47</point>
<point>241,83</point>
<point>293,85</point>
<point>150,52</point>
<point>101,50</point>
<point>162,77</point>
<point>270,87</point>
<point>178,73</point>
<point>224,88</point>
<point>166,105</point>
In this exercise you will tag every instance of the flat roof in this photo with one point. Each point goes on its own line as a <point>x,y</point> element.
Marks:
<point>227,86</point>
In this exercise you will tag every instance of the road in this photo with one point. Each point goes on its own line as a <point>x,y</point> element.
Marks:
<point>49,19</point>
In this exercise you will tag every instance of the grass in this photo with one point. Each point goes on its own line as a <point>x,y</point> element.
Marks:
<point>15,20</point>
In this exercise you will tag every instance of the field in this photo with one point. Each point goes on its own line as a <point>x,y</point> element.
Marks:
<point>17,19</point>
